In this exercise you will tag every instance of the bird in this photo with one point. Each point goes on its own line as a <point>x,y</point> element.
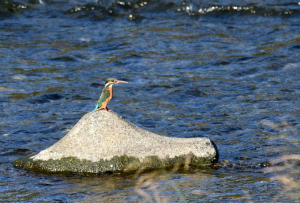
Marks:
<point>107,94</point>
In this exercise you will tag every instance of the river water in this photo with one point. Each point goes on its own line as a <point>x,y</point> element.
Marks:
<point>227,70</point>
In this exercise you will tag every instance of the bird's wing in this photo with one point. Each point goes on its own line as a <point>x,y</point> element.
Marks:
<point>104,96</point>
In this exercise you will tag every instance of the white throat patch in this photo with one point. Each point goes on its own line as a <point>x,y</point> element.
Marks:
<point>107,84</point>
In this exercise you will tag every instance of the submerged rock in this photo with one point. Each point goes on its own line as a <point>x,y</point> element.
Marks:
<point>105,142</point>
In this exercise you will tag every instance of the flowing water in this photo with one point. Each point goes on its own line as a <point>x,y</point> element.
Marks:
<point>227,70</point>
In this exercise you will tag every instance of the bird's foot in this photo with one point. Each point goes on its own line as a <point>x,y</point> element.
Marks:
<point>105,109</point>
<point>108,110</point>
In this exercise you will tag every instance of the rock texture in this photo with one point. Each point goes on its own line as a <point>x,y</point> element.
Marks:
<point>105,142</point>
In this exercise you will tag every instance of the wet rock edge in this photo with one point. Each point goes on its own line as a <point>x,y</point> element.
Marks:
<point>121,164</point>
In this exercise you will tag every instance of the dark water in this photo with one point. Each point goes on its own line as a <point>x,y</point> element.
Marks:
<point>227,70</point>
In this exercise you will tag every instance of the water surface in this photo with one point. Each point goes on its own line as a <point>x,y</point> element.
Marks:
<point>227,70</point>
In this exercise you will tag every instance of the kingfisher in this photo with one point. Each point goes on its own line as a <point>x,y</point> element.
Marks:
<point>107,94</point>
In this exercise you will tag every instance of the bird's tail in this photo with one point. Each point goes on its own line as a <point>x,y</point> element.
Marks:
<point>95,108</point>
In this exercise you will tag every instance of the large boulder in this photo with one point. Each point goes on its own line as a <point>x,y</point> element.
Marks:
<point>105,142</point>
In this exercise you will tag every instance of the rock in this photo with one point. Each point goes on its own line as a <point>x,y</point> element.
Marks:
<point>105,142</point>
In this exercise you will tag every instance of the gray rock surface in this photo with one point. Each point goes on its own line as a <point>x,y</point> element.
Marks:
<point>104,135</point>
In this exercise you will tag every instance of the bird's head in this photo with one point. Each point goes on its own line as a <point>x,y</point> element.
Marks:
<point>112,81</point>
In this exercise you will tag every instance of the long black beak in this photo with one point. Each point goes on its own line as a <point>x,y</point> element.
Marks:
<point>121,82</point>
